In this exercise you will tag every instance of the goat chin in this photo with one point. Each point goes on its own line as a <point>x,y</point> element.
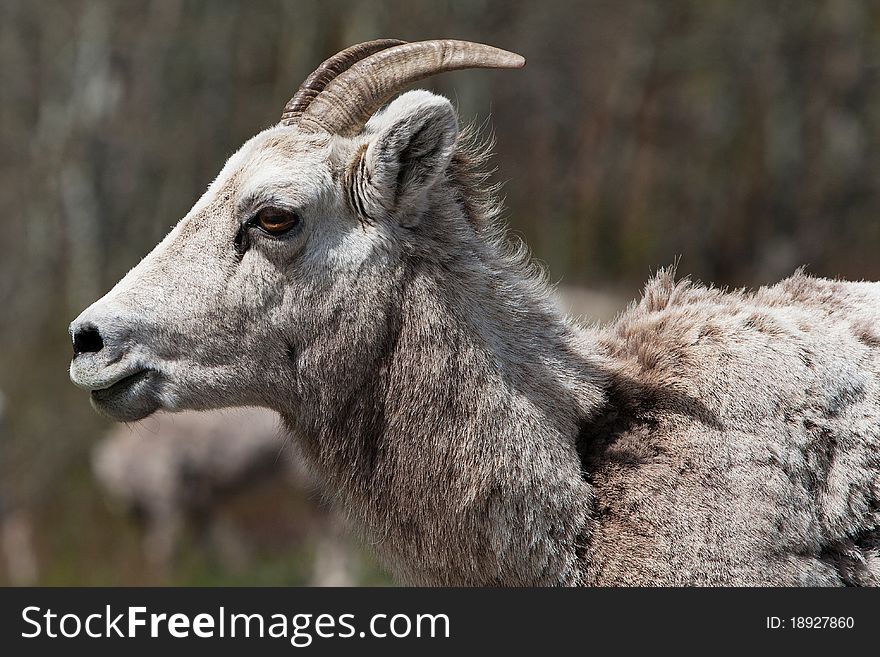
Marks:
<point>128,400</point>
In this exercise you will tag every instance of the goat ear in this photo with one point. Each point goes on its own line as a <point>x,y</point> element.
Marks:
<point>409,149</point>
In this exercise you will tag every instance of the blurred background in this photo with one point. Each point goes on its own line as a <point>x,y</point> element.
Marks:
<point>737,138</point>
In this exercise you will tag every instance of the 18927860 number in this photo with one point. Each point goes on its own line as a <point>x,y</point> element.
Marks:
<point>810,623</point>
<point>821,622</point>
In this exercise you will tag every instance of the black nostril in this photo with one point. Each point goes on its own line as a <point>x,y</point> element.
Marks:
<point>86,340</point>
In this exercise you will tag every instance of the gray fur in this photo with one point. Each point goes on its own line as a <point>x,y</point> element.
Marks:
<point>473,433</point>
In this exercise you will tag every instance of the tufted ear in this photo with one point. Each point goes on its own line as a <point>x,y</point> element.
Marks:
<point>408,149</point>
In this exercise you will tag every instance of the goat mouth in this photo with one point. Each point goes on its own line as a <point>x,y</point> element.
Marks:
<point>123,383</point>
<point>129,399</point>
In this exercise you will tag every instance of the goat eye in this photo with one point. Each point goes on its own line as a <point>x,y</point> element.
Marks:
<point>276,221</point>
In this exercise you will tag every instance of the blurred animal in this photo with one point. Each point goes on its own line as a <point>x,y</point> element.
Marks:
<point>175,471</point>
<point>346,268</point>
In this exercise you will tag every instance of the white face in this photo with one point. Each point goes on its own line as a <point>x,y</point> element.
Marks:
<point>221,311</point>
<point>212,303</point>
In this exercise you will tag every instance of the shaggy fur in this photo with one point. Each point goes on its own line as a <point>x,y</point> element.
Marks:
<point>474,434</point>
<point>740,443</point>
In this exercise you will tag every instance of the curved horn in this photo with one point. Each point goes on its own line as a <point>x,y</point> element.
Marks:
<point>329,69</point>
<point>349,100</point>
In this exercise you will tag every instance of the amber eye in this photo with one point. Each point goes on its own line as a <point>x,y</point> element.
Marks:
<point>276,221</point>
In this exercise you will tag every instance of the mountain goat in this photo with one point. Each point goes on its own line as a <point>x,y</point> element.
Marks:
<point>346,269</point>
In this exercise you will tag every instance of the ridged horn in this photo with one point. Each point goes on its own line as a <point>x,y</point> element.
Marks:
<point>329,69</point>
<point>351,98</point>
